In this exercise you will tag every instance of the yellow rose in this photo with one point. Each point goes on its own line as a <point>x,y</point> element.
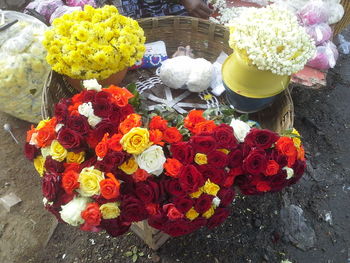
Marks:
<point>57,151</point>
<point>201,158</point>
<point>225,151</point>
<point>297,141</point>
<point>192,214</point>
<point>75,157</point>
<point>197,194</point>
<point>89,179</point>
<point>136,140</point>
<point>210,188</point>
<point>130,166</point>
<point>39,164</point>
<point>110,210</point>
<point>42,124</point>
<point>208,214</point>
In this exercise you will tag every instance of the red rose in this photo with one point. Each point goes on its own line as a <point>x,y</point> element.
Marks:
<point>69,139</point>
<point>88,96</point>
<point>244,182</point>
<point>159,123</point>
<point>299,169</point>
<point>173,187</point>
<point>261,138</point>
<point>70,181</point>
<point>132,209</point>
<point>111,161</point>
<point>197,223</point>
<point>102,95</point>
<point>30,151</point>
<point>231,176</point>
<point>203,144</point>
<point>255,163</point>
<point>203,203</point>
<point>147,191</point>
<point>158,221</point>
<point>215,175</point>
<point>125,111</point>
<point>235,158</point>
<point>102,108</point>
<point>88,163</point>
<point>217,159</point>
<point>218,218</point>
<point>263,186</point>
<point>272,168</point>
<point>152,208</point>
<point>182,151</point>
<point>172,212</point>
<point>177,228</point>
<point>105,127</point>
<point>190,179</point>
<point>53,166</point>
<point>224,137</point>
<point>115,227</point>
<point>61,111</point>
<point>50,186</point>
<point>92,214</point>
<point>78,124</point>
<point>281,159</point>
<point>226,196</point>
<point>183,204</point>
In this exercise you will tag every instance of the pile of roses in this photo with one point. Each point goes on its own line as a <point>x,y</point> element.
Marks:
<point>103,166</point>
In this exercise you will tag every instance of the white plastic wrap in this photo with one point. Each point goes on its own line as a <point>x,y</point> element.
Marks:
<point>23,66</point>
<point>44,7</point>
<point>326,56</point>
<point>320,33</point>
<point>314,12</point>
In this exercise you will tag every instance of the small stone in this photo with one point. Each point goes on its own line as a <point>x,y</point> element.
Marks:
<point>257,223</point>
<point>155,258</point>
<point>10,200</point>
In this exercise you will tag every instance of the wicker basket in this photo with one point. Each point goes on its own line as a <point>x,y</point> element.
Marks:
<point>207,39</point>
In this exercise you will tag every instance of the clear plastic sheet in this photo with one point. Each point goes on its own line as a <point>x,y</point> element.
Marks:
<point>320,33</point>
<point>326,56</point>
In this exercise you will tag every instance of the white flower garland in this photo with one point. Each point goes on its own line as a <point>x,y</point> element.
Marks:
<point>272,39</point>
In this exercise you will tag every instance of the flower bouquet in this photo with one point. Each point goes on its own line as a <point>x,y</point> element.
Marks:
<point>103,166</point>
<point>269,45</point>
<point>94,43</point>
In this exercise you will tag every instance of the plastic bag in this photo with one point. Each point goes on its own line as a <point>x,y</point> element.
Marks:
<point>23,66</point>
<point>44,7</point>
<point>344,46</point>
<point>314,12</point>
<point>326,56</point>
<point>319,32</point>
<point>80,3</point>
<point>64,10</point>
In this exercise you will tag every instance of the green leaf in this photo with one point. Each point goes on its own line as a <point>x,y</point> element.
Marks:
<point>134,250</point>
<point>141,254</point>
<point>244,117</point>
<point>128,254</point>
<point>134,258</point>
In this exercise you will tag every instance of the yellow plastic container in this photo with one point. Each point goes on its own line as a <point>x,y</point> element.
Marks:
<point>249,81</point>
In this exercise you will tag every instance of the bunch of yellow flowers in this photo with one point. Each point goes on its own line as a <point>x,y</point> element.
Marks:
<point>94,43</point>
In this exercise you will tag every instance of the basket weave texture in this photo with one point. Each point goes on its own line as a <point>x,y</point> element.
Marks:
<point>207,39</point>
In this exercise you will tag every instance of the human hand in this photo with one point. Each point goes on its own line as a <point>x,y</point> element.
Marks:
<point>197,8</point>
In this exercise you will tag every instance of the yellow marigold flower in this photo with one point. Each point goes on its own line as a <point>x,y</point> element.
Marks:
<point>197,194</point>
<point>297,141</point>
<point>89,179</point>
<point>192,214</point>
<point>73,157</point>
<point>130,166</point>
<point>200,158</point>
<point>208,214</point>
<point>210,188</point>
<point>136,140</point>
<point>57,151</point>
<point>39,165</point>
<point>110,210</point>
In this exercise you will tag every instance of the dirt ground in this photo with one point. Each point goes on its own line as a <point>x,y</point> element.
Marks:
<point>253,233</point>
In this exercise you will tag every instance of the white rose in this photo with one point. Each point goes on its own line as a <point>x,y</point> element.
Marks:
<point>71,212</point>
<point>33,140</point>
<point>151,160</point>
<point>58,127</point>
<point>92,84</point>
<point>93,120</point>
<point>290,172</point>
<point>45,151</point>
<point>86,109</point>
<point>240,128</point>
<point>216,201</point>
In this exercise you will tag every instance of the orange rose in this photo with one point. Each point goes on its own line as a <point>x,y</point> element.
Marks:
<point>78,98</point>
<point>30,133</point>
<point>301,153</point>
<point>172,167</point>
<point>45,136</point>
<point>110,187</point>
<point>286,146</point>
<point>133,120</point>
<point>193,117</point>
<point>120,96</point>
<point>92,214</point>
<point>159,123</point>
<point>70,181</point>
<point>204,126</point>
<point>101,148</point>
<point>140,175</point>
<point>52,123</point>
<point>172,135</point>
<point>156,136</point>
<point>114,142</point>
<point>71,167</point>
<point>73,109</point>
<point>272,168</point>
<point>152,208</point>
